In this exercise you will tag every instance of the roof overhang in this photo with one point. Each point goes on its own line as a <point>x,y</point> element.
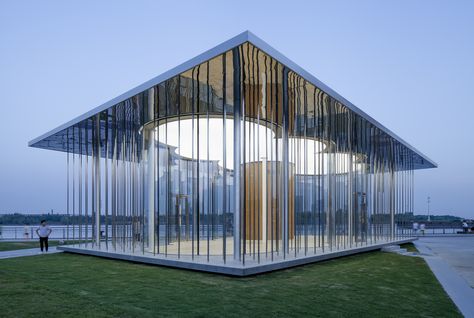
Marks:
<point>242,38</point>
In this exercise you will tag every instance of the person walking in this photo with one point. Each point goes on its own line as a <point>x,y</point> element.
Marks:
<point>415,228</point>
<point>26,232</point>
<point>43,232</point>
<point>465,227</point>
<point>422,228</point>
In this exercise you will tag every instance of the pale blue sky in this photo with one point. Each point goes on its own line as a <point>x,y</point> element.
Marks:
<point>409,64</point>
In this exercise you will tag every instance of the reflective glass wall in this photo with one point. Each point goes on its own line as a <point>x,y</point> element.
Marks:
<point>237,159</point>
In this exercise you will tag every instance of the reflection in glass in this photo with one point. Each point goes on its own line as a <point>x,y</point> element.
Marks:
<point>238,158</point>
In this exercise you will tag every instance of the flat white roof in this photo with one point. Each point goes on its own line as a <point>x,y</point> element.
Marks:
<point>243,37</point>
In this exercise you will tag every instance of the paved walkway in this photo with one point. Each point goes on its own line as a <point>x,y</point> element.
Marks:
<point>26,252</point>
<point>452,261</point>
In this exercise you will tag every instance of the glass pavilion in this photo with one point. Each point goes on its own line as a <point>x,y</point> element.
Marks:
<point>237,161</point>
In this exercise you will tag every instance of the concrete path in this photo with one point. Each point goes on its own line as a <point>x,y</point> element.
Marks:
<point>452,261</point>
<point>27,252</point>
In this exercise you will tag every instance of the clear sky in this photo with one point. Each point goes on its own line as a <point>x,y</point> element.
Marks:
<point>409,64</point>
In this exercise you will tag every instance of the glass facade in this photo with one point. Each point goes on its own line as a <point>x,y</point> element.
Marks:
<point>238,159</point>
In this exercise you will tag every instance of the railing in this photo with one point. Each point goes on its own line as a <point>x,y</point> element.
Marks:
<point>436,230</point>
<point>83,232</point>
<point>59,232</point>
<point>64,232</point>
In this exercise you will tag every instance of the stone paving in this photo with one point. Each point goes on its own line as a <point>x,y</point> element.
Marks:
<point>452,261</point>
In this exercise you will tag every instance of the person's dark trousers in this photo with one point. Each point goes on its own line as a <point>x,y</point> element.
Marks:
<point>44,242</point>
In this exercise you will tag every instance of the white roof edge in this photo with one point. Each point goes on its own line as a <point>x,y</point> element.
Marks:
<point>237,40</point>
<point>217,50</point>
<point>261,44</point>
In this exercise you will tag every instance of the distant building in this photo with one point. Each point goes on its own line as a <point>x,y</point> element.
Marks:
<point>237,161</point>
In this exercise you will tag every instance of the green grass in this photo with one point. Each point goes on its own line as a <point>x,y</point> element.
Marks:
<point>10,246</point>
<point>373,284</point>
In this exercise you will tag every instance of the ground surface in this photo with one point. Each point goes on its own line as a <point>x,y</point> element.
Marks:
<point>27,252</point>
<point>458,252</point>
<point>374,284</point>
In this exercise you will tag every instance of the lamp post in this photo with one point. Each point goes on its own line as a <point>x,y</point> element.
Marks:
<point>428,201</point>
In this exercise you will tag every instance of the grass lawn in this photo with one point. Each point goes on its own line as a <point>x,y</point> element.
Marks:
<point>373,284</point>
<point>10,246</point>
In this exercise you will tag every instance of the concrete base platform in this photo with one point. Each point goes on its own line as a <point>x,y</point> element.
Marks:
<point>231,267</point>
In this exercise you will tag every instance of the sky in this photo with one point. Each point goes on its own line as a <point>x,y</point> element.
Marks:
<point>409,64</point>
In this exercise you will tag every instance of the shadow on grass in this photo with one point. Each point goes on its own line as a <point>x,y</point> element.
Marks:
<point>410,247</point>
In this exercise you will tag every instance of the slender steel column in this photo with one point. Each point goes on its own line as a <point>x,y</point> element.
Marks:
<point>350,190</point>
<point>285,163</point>
<point>106,179</point>
<point>237,148</point>
<point>150,146</point>
<point>97,181</point>
<point>68,191</point>
<point>224,159</point>
<point>392,192</point>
